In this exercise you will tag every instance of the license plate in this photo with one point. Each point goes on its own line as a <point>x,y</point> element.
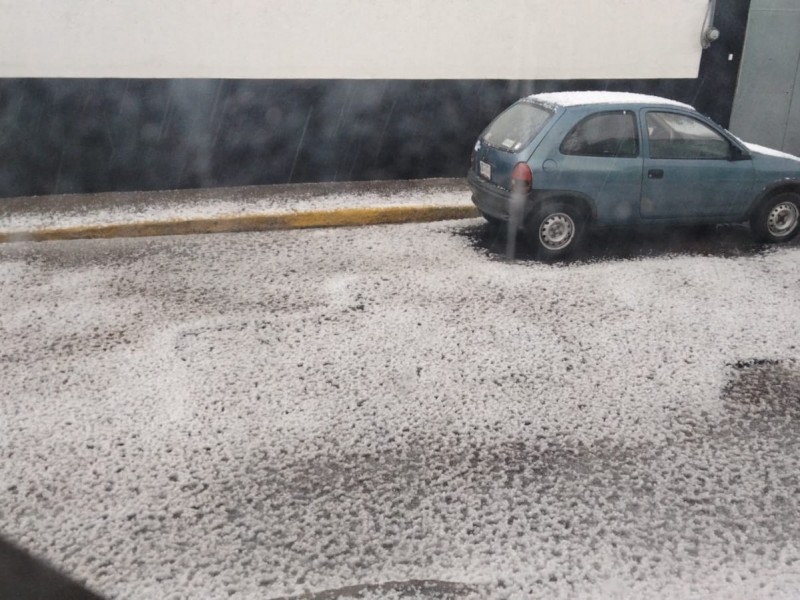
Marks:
<point>486,170</point>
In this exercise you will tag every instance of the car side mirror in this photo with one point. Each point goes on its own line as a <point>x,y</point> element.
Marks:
<point>737,153</point>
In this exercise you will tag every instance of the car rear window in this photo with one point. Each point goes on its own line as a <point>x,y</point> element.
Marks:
<point>515,128</point>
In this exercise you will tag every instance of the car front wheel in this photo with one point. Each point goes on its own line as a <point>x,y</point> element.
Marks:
<point>554,230</point>
<point>777,219</point>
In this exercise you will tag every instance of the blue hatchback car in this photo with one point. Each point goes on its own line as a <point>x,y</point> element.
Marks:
<point>573,159</point>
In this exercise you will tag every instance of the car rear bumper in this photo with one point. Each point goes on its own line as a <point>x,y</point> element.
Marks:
<point>488,198</point>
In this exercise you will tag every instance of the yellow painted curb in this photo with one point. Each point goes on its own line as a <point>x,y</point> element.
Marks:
<point>345,217</point>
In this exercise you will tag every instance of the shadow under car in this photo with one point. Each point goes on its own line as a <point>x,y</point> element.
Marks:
<point>602,244</point>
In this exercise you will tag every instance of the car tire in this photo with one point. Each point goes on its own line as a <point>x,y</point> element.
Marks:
<point>777,219</point>
<point>554,230</point>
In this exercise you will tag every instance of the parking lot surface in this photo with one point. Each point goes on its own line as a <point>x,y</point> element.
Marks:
<point>398,411</point>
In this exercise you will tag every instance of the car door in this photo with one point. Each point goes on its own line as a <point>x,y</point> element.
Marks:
<point>600,157</point>
<point>691,170</point>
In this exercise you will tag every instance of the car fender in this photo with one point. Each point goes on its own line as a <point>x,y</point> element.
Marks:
<point>788,184</point>
<point>583,202</point>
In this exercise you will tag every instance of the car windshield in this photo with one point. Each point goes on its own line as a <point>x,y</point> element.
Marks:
<point>516,127</point>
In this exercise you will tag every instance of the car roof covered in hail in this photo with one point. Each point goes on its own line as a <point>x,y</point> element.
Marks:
<point>584,98</point>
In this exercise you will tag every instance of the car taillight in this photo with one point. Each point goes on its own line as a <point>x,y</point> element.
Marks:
<point>521,177</point>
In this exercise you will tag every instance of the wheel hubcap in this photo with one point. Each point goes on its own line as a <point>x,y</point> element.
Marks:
<point>556,231</point>
<point>783,219</point>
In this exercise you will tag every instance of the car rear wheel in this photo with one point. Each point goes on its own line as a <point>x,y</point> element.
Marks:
<point>777,219</point>
<point>554,230</point>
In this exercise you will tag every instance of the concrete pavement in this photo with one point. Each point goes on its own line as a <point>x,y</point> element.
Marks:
<point>138,214</point>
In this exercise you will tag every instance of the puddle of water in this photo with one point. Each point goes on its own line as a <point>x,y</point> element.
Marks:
<point>766,386</point>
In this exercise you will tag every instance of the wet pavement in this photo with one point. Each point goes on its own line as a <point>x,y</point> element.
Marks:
<point>397,411</point>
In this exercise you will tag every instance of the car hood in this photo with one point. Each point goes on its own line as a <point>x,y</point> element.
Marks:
<point>774,158</point>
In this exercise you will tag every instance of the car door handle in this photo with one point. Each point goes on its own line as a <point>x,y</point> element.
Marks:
<point>655,174</point>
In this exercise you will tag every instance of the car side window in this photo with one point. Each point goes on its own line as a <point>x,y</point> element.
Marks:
<point>608,134</point>
<point>672,135</point>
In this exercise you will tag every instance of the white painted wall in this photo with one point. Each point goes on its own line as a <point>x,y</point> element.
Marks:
<point>401,39</point>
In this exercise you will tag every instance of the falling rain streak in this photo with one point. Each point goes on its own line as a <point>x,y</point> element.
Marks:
<point>300,144</point>
<point>515,214</point>
<point>383,131</point>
